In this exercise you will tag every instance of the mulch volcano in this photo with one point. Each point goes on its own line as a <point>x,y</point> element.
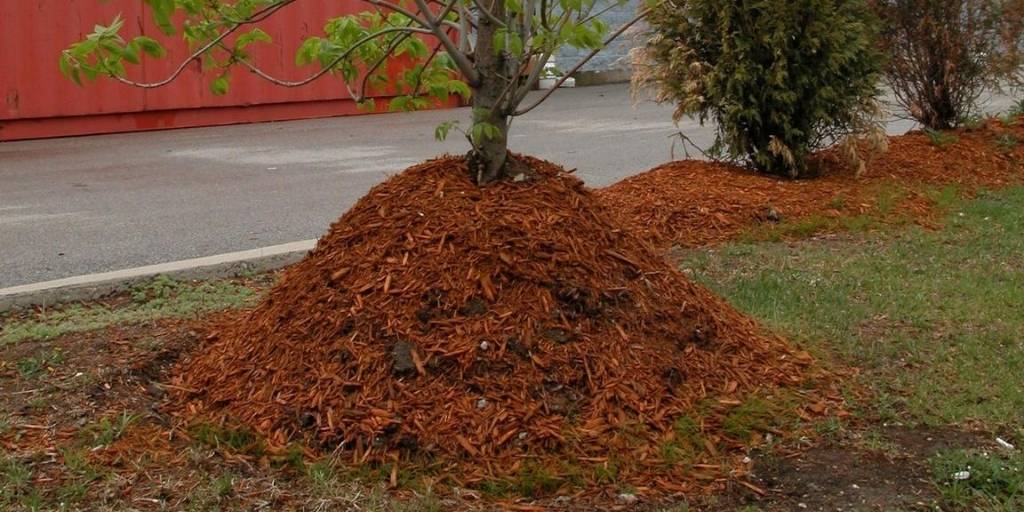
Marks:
<point>692,203</point>
<point>488,332</point>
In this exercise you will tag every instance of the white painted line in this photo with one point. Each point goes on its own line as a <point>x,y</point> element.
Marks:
<point>171,267</point>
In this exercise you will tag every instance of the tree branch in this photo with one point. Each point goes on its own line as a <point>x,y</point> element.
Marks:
<point>488,14</point>
<point>461,59</point>
<point>255,18</point>
<point>582,62</point>
<point>328,68</point>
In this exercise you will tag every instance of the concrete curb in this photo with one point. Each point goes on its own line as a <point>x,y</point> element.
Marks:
<point>94,286</point>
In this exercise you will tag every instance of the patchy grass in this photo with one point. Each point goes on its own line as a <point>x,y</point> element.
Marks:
<point>987,481</point>
<point>162,297</point>
<point>33,366</point>
<point>883,215</point>
<point>927,314</point>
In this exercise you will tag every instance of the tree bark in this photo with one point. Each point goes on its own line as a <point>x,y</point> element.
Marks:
<point>490,154</point>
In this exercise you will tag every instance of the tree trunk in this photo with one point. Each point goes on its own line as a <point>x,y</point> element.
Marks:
<point>490,154</point>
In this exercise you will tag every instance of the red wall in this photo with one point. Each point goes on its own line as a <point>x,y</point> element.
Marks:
<point>37,101</point>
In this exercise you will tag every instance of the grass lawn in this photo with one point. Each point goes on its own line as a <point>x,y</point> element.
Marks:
<point>932,321</point>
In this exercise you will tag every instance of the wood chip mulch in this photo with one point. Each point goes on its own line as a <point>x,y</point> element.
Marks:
<point>483,333</point>
<point>693,203</point>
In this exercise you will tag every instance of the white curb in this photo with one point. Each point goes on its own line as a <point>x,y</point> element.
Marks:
<point>92,286</point>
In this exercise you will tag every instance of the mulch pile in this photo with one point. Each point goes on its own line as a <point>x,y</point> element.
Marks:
<point>488,332</point>
<point>693,203</point>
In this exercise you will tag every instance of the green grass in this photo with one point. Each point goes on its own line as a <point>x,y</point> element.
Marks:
<point>980,480</point>
<point>160,298</point>
<point>34,366</point>
<point>935,318</point>
<point>941,139</point>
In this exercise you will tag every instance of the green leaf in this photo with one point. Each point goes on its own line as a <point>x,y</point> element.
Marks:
<point>461,88</point>
<point>399,103</point>
<point>220,85</point>
<point>150,46</point>
<point>308,52</point>
<point>441,132</point>
<point>367,105</point>
<point>131,53</point>
<point>250,37</point>
<point>162,12</point>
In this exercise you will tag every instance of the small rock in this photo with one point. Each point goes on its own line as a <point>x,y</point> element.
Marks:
<point>560,336</point>
<point>474,307</point>
<point>484,345</point>
<point>402,361</point>
<point>801,505</point>
<point>481,404</point>
<point>770,214</point>
<point>522,436</point>
<point>626,498</point>
<point>962,475</point>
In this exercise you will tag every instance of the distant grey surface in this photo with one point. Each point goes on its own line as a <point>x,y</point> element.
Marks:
<point>93,204</point>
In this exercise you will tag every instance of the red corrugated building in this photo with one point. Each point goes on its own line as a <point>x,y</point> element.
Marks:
<point>37,101</point>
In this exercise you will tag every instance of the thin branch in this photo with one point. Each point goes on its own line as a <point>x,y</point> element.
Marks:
<point>532,78</point>
<point>461,59</point>
<point>383,58</point>
<point>583,61</point>
<point>488,14</point>
<point>255,18</point>
<point>329,67</point>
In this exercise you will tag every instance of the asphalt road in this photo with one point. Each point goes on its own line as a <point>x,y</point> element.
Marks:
<point>92,204</point>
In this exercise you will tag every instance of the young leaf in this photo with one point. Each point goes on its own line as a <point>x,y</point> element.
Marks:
<point>219,86</point>
<point>441,132</point>
<point>150,46</point>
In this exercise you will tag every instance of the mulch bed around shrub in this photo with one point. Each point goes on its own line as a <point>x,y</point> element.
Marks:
<point>488,334</point>
<point>692,203</point>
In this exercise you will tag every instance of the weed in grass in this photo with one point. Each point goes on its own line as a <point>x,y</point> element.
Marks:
<point>1009,119</point>
<point>686,444</point>
<point>1007,142</point>
<point>427,503</point>
<point>857,223</point>
<point>160,287</point>
<point>889,197</point>
<point>15,475</point>
<point>321,473</point>
<point>532,480</point>
<point>33,366</point>
<point>108,429</point>
<point>972,123</point>
<point>72,492</point>
<point>607,472</point>
<point>224,485</point>
<point>77,463</point>
<point>944,197</point>
<point>1017,109</point>
<point>755,414</point>
<point>980,480</point>
<point>293,458</point>
<point>874,441</point>
<point>838,202</point>
<point>234,440</point>
<point>941,139</point>
<point>830,428</point>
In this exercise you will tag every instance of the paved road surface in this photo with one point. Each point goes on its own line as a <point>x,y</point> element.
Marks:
<point>92,204</point>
